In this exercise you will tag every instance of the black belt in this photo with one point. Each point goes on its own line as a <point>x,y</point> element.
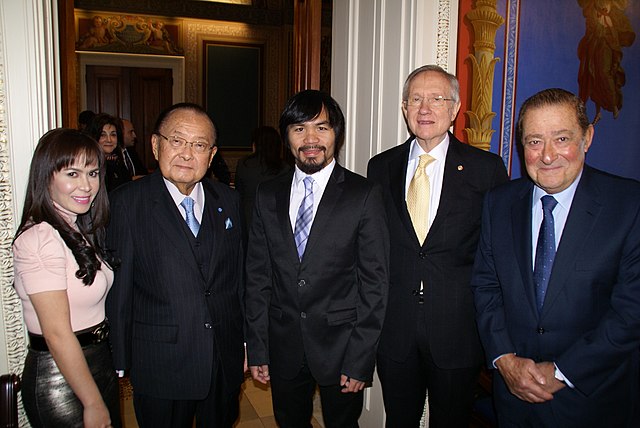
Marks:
<point>90,336</point>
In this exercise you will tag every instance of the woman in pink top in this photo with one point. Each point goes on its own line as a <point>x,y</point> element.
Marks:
<point>62,276</point>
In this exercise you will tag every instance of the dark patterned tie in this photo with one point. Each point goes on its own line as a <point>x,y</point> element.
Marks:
<point>304,218</point>
<point>545,250</point>
<point>192,222</point>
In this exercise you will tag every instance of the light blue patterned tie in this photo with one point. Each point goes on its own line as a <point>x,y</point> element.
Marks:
<point>304,218</point>
<point>192,222</point>
<point>545,250</point>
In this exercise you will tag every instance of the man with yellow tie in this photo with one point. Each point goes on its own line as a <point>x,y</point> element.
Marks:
<point>433,188</point>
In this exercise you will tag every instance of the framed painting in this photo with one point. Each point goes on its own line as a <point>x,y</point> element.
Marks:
<point>233,90</point>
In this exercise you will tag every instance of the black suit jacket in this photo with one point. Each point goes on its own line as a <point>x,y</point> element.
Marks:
<point>168,321</point>
<point>590,321</point>
<point>445,259</point>
<point>329,307</point>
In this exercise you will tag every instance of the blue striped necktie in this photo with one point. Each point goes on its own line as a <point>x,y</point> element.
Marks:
<point>545,250</point>
<point>304,218</point>
<point>192,222</point>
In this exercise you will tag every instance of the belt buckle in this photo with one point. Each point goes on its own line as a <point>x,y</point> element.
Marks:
<point>100,333</point>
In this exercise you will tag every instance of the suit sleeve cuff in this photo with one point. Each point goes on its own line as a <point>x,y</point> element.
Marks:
<point>495,360</point>
<point>561,377</point>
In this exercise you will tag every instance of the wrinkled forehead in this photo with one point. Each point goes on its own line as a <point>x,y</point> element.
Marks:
<point>429,82</point>
<point>190,123</point>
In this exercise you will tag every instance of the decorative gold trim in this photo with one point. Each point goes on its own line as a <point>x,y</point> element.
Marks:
<point>137,34</point>
<point>12,309</point>
<point>485,21</point>
<point>444,30</point>
<point>198,31</point>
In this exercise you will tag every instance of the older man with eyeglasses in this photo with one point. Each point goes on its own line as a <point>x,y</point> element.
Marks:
<point>433,187</point>
<point>176,304</point>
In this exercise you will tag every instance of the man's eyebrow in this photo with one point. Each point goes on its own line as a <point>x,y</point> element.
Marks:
<point>553,133</point>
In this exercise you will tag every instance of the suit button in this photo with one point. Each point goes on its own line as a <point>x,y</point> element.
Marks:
<point>207,325</point>
<point>302,283</point>
<point>422,255</point>
<point>303,314</point>
<point>207,293</point>
<point>540,330</point>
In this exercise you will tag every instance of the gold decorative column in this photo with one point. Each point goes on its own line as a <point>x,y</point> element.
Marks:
<point>486,21</point>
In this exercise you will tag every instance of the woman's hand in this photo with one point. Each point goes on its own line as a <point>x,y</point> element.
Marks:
<point>96,416</point>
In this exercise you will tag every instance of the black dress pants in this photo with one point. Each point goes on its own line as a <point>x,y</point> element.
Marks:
<point>293,402</point>
<point>219,409</point>
<point>405,385</point>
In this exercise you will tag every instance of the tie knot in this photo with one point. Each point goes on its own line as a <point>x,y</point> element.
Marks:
<point>308,184</point>
<point>548,203</point>
<point>425,160</point>
<point>187,204</point>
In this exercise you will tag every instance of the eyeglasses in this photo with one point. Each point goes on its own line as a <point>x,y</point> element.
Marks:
<point>179,142</point>
<point>416,101</point>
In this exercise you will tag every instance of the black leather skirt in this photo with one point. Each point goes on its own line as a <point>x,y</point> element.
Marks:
<point>48,399</point>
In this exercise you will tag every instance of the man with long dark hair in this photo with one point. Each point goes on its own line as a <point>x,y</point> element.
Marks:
<point>317,273</point>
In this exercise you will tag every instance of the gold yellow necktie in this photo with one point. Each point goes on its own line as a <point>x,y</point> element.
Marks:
<point>418,198</point>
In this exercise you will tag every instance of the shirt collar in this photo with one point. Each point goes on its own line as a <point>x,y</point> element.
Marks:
<point>321,177</point>
<point>197,194</point>
<point>439,152</point>
<point>564,198</point>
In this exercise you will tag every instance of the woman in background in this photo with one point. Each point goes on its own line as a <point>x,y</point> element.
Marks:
<point>62,277</point>
<point>263,164</point>
<point>107,130</point>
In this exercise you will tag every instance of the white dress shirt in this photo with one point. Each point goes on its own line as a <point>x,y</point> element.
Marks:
<point>197,194</point>
<point>435,171</point>
<point>320,180</point>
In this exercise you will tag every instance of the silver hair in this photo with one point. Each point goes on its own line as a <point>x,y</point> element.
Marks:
<point>453,81</point>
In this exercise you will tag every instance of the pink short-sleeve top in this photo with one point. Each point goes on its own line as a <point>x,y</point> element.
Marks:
<point>43,262</point>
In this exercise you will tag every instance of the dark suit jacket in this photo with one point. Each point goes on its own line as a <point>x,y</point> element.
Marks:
<point>445,260</point>
<point>590,321</point>
<point>168,320</point>
<point>329,308</point>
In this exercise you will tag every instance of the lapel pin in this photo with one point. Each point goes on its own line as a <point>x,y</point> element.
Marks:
<point>460,167</point>
<point>228,224</point>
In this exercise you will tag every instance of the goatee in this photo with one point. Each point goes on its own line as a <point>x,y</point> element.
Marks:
<point>308,167</point>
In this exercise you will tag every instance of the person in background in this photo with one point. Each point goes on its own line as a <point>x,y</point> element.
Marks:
<point>317,273</point>
<point>131,159</point>
<point>263,164</point>
<point>107,131</point>
<point>219,170</point>
<point>433,186</point>
<point>84,119</point>
<point>62,275</point>
<point>176,306</point>
<point>557,279</point>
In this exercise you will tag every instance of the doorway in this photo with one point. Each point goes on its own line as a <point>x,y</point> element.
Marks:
<point>134,87</point>
<point>137,94</point>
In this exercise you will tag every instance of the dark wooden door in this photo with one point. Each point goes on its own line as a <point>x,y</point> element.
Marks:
<point>137,94</point>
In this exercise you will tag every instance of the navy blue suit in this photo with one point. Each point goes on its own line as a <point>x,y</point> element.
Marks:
<point>590,322</point>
